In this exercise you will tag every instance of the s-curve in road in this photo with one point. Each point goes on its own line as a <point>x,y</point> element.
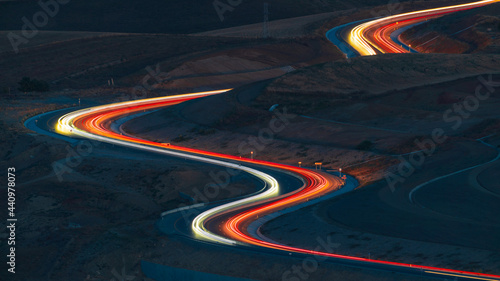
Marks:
<point>233,224</point>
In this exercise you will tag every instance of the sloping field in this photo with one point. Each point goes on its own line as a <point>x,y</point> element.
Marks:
<point>153,16</point>
<point>370,76</point>
<point>471,31</point>
<point>293,27</point>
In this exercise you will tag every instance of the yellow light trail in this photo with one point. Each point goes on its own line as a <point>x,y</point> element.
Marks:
<point>93,123</point>
<point>359,37</point>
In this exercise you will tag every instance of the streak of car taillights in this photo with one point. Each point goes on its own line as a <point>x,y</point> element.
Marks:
<point>358,37</point>
<point>94,123</point>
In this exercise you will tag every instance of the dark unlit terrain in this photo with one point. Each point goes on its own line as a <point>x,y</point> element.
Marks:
<point>363,115</point>
<point>443,225</point>
<point>471,31</point>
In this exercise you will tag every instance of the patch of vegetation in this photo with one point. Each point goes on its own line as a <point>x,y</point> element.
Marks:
<point>365,145</point>
<point>301,154</point>
<point>181,138</point>
<point>207,131</point>
<point>352,246</point>
<point>397,248</point>
<point>383,256</point>
<point>28,85</point>
<point>203,131</point>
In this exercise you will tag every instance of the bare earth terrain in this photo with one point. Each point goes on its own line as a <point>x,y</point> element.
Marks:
<point>445,222</point>
<point>473,31</point>
<point>364,115</point>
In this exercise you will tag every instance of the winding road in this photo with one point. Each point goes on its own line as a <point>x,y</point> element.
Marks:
<point>373,37</point>
<point>236,223</point>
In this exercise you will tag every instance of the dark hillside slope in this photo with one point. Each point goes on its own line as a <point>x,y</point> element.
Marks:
<point>165,16</point>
